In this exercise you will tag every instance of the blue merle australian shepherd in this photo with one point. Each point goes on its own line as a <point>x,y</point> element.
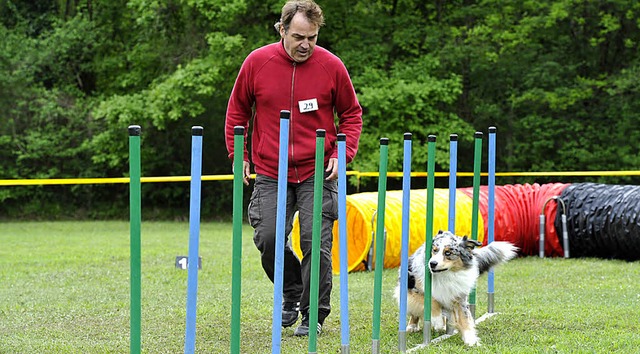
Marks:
<point>455,265</point>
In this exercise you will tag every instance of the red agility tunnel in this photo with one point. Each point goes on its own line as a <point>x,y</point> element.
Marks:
<point>517,211</point>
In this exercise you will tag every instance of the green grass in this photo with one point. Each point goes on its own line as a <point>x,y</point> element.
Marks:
<point>64,288</point>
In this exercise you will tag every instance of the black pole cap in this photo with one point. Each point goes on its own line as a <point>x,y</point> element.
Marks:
<point>134,130</point>
<point>284,114</point>
<point>431,138</point>
<point>197,130</point>
<point>477,135</point>
<point>407,136</point>
<point>453,137</point>
<point>238,130</point>
<point>342,137</point>
<point>320,133</point>
<point>384,141</point>
<point>492,130</point>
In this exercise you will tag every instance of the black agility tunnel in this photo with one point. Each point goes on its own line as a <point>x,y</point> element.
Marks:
<point>602,220</point>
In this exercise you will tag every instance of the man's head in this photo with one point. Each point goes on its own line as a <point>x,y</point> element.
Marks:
<point>299,25</point>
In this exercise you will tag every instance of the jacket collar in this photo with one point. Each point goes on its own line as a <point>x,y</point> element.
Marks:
<point>283,53</point>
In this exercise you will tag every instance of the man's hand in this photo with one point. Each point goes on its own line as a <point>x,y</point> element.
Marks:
<point>246,172</point>
<point>332,167</point>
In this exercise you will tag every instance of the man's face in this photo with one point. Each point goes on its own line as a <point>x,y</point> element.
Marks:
<point>300,39</point>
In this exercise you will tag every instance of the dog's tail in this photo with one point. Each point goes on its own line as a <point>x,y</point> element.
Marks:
<point>495,253</point>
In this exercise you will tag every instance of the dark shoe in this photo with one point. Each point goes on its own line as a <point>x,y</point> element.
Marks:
<point>289,313</point>
<point>303,328</point>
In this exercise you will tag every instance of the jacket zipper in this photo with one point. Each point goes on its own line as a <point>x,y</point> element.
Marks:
<point>295,168</point>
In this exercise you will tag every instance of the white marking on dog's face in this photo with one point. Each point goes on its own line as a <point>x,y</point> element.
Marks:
<point>436,262</point>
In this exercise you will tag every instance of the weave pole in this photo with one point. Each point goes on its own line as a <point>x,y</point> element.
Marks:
<point>318,184</point>
<point>379,261</point>
<point>342,232</point>
<point>404,248</point>
<point>236,264</point>
<point>477,156</point>
<point>135,219</point>
<point>194,239</point>
<point>491,213</point>
<point>431,172</point>
<point>453,171</point>
<point>281,212</point>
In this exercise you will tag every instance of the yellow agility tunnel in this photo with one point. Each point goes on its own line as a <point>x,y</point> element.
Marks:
<point>362,223</point>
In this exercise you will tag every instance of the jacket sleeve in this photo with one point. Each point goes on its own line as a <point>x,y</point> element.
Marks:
<point>239,108</point>
<point>349,114</point>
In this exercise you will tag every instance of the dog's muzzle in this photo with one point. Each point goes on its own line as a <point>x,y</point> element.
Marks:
<point>433,265</point>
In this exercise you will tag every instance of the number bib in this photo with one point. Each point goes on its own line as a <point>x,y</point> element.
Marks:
<point>308,105</point>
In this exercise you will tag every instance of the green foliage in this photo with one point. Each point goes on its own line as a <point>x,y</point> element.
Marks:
<point>559,79</point>
<point>407,99</point>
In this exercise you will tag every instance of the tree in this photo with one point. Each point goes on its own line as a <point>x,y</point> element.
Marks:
<point>559,79</point>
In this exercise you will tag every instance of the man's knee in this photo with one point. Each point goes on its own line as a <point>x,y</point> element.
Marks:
<point>264,240</point>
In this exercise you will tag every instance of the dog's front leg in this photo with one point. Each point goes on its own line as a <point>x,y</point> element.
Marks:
<point>413,325</point>
<point>437,320</point>
<point>466,324</point>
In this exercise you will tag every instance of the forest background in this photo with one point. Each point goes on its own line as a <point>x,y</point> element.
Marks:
<point>559,79</point>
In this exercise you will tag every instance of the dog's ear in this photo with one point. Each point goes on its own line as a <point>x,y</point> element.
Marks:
<point>440,232</point>
<point>469,243</point>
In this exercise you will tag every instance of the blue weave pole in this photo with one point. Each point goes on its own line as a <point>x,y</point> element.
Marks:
<point>453,171</point>
<point>342,231</point>
<point>491,212</point>
<point>194,238</point>
<point>281,212</point>
<point>404,248</point>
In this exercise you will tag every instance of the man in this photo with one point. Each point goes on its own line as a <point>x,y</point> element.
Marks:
<point>296,75</point>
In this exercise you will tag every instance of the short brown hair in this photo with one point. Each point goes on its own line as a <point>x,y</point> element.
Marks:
<point>309,8</point>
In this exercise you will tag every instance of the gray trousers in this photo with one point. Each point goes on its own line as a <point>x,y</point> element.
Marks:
<point>262,217</point>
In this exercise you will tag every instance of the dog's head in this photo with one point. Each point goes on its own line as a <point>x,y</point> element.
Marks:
<point>451,252</point>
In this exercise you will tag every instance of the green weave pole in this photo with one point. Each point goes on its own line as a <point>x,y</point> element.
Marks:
<point>318,184</point>
<point>236,264</point>
<point>135,219</point>
<point>477,156</point>
<point>431,172</point>
<point>379,261</point>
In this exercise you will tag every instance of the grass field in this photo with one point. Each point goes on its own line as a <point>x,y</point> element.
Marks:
<point>64,288</point>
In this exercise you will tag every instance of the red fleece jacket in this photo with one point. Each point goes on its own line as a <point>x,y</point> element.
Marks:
<point>270,81</point>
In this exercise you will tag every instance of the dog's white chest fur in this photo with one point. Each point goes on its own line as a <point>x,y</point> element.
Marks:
<point>450,287</point>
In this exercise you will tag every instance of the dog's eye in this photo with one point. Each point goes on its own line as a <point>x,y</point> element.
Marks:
<point>447,253</point>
